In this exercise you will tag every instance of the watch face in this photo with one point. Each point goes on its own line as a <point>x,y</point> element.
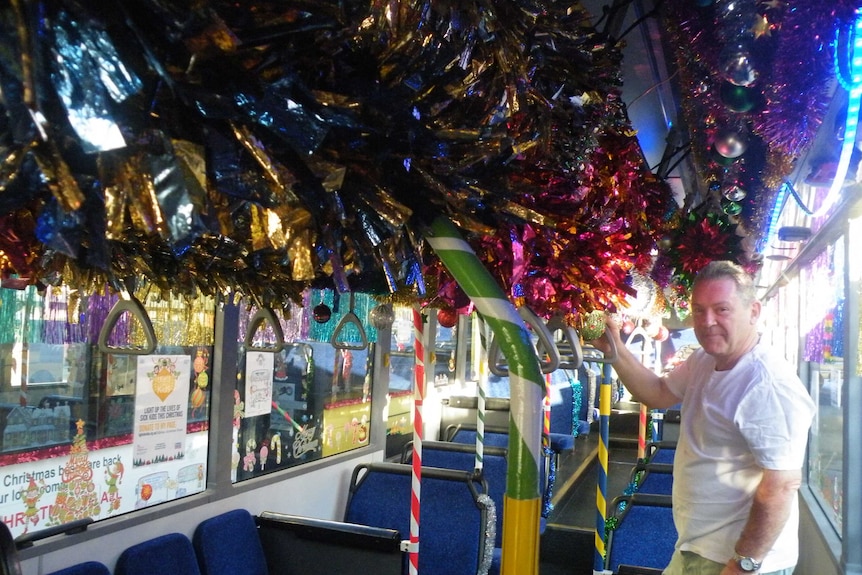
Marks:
<point>747,564</point>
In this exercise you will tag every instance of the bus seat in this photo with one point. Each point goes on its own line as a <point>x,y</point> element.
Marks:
<point>466,434</point>
<point>497,437</point>
<point>310,545</point>
<point>85,568</point>
<point>654,478</point>
<point>661,452</point>
<point>565,423</point>
<point>170,553</point>
<point>11,563</point>
<point>644,534</point>
<point>450,455</point>
<point>454,519</point>
<point>228,544</point>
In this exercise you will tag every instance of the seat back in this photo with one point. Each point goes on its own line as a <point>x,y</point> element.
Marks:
<point>498,437</point>
<point>656,478</point>
<point>312,545</point>
<point>85,568</point>
<point>170,554</point>
<point>10,562</point>
<point>466,434</point>
<point>644,535</point>
<point>562,416</point>
<point>452,520</point>
<point>228,544</point>
<point>450,455</point>
<point>661,452</point>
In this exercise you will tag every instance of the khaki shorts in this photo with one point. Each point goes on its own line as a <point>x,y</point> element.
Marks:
<point>688,563</point>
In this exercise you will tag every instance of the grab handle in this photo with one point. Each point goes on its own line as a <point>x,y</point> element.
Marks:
<point>349,318</point>
<point>127,303</point>
<point>571,339</point>
<point>545,346</point>
<point>261,316</point>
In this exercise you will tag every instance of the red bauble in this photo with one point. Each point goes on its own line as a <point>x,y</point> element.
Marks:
<point>321,313</point>
<point>447,317</point>
<point>662,334</point>
<point>628,326</point>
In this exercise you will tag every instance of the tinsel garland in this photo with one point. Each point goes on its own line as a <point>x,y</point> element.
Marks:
<point>261,151</point>
<point>788,48</point>
<point>262,148</point>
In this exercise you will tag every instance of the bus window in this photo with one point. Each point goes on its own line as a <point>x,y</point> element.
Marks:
<point>822,332</point>
<point>90,432</point>
<point>303,398</point>
<point>402,359</point>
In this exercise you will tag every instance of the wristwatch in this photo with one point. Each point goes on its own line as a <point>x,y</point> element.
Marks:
<point>747,564</point>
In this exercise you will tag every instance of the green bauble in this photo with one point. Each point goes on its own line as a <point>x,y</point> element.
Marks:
<point>738,99</point>
<point>593,325</point>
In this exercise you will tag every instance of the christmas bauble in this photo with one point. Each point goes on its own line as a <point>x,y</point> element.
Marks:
<point>734,193</point>
<point>321,313</point>
<point>736,65</point>
<point>731,143</point>
<point>662,334</point>
<point>447,317</point>
<point>593,325</point>
<point>382,316</point>
<point>739,99</point>
<point>719,159</point>
<point>730,208</point>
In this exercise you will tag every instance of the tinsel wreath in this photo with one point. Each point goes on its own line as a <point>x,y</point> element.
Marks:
<point>699,237</point>
<point>265,147</point>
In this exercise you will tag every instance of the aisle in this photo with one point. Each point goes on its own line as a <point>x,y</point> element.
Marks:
<point>568,544</point>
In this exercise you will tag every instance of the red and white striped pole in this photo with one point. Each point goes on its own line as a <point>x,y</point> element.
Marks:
<point>418,398</point>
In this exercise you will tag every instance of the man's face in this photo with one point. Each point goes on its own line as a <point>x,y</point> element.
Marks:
<point>725,326</point>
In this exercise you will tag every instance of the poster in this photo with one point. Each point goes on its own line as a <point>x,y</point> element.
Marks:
<point>161,407</point>
<point>97,484</point>
<point>258,383</point>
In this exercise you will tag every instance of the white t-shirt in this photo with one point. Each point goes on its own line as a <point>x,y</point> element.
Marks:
<point>735,423</point>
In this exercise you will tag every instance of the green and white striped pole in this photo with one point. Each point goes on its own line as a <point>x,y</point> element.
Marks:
<point>482,394</point>
<point>522,502</point>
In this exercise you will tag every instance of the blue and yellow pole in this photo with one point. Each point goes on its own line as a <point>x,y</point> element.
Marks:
<point>602,480</point>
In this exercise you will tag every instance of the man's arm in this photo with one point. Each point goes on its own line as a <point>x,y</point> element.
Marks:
<point>769,512</point>
<point>644,385</point>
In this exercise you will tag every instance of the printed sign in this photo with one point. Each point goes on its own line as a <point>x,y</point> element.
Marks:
<point>258,383</point>
<point>161,407</point>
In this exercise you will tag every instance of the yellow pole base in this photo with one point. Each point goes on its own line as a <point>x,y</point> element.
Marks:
<point>520,536</point>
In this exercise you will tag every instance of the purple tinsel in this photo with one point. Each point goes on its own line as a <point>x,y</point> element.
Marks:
<point>797,99</point>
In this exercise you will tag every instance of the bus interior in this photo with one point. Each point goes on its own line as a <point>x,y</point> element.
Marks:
<point>265,268</point>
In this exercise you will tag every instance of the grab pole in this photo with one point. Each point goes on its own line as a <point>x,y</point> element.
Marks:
<point>418,434</point>
<point>522,503</point>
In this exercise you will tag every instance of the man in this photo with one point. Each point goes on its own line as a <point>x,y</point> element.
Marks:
<point>743,433</point>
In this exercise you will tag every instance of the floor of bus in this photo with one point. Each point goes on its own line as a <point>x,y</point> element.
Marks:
<point>567,546</point>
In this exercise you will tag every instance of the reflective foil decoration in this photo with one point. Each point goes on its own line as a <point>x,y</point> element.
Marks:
<point>88,75</point>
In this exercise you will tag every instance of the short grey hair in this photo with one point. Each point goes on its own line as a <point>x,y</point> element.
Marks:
<point>723,269</point>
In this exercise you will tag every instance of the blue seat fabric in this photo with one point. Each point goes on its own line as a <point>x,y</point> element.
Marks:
<point>170,554</point>
<point>644,537</point>
<point>84,568</point>
<point>228,544</point>
<point>452,529</point>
